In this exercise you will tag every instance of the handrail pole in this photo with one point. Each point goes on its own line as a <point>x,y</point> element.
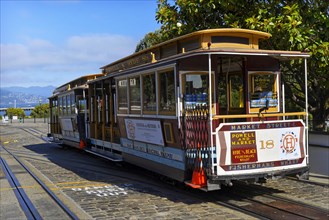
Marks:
<point>210,114</point>
<point>306,110</point>
<point>283,102</point>
<point>306,93</point>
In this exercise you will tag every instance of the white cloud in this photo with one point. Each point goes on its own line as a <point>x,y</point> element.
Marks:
<point>99,48</point>
<point>38,61</point>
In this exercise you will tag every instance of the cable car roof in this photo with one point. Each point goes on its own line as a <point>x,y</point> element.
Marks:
<point>227,41</point>
<point>79,82</point>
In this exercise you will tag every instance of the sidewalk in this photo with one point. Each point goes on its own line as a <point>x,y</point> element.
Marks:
<point>318,178</point>
<point>25,121</point>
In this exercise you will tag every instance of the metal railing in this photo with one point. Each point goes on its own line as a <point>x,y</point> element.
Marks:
<point>260,116</point>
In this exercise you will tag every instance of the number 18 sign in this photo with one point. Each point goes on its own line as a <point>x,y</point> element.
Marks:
<point>260,141</point>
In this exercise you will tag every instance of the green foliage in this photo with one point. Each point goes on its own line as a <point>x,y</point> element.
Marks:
<point>149,40</point>
<point>294,29</point>
<point>196,15</point>
<point>15,112</point>
<point>40,111</point>
<point>301,25</point>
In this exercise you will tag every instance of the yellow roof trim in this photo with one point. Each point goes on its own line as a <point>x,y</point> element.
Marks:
<point>234,31</point>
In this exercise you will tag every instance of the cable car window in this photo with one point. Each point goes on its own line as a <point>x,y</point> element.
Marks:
<point>134,95</point>
<point>230,39</point>
<point>68,104</point>
<point>236,91</point>
<point>167,92</point>
<point>60,105</point>
<point>263,90</point>
<point>64,105</point>
<point>72,104</point>
<point>149,93</point>
<point>196,90</point>
<point>81,105</point>
<point>54,107</point>
<point>222,91</point>
<point>122,96</point>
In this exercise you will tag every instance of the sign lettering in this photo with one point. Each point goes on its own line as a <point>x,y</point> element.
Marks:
<point>145,131</point>
<point>243,147</point>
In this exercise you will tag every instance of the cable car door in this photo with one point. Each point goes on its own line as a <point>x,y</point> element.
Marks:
<point>231,95</point>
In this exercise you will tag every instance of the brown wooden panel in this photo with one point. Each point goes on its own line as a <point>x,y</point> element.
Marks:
<point>122,127</point>
<point>191,44</point>
<point>168,50</point>
<point>262,64</point>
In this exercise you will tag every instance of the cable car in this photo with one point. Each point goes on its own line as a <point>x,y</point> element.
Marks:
<point>206,108</point>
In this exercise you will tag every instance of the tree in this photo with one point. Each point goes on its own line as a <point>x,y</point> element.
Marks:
<point>187,16</point>
<point>15,112</point>
<point>301,25</point>
<point>40,111</point>
<point>149,40</point>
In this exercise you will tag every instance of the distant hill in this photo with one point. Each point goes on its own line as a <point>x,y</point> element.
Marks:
<point>23,97</point>
<point>33,90</point>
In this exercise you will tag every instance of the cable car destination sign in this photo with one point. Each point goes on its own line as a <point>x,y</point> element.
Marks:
<point>243,146</point>
<point>260,143</point>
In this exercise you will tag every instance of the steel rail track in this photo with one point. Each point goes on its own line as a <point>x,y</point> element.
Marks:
<point>107,170</point>
<point>161,184</point>
<point>27,206</point>
<point>246,210</point>
<point>49,192</point>
<point>281,205</point>
<point>169,186</point>
<point>35,133</point>
<point>242,210</point>
<point>263,192</point>
<point>256,209</point>
<point>269,210</point>
<point>308,181</point>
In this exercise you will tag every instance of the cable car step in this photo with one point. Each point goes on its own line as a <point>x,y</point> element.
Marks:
<point>114,159</point>
<point>195,186</point>
<point>206,188</point>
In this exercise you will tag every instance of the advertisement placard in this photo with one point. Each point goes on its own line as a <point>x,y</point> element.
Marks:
<point>145,131</point>
<point>66,124</point>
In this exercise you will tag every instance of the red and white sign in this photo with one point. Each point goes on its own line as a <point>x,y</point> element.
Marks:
<point>243,147</point>
<point>262,144</point>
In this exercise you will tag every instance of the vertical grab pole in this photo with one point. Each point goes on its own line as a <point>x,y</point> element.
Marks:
<point>283,102</point>
<point>210,114</point>
<point>85,113</point>
<point>306,109</point>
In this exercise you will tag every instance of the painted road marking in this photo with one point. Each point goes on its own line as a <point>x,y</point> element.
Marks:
<point>80,184</point>
<point>103,191</point>
<point>13,141</point>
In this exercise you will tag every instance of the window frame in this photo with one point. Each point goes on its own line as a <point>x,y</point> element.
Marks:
<point>122,111</point>
<point>132,111</point>
<point>160,110</point>
<point>147,111</point>
<point>212,89</point>
<point>275,86</point>
<point>241,93</point>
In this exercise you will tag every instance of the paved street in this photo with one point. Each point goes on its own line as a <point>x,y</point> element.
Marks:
<point>98,189</point>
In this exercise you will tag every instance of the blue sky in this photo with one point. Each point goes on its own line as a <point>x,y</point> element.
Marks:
<point>51,42</point>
